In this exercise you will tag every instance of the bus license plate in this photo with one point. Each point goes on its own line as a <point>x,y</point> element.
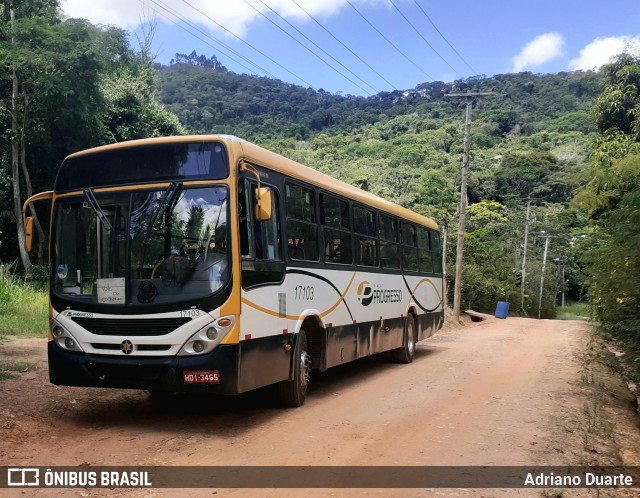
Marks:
<point>201,376</point>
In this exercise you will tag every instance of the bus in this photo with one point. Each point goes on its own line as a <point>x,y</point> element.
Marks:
<point>210,264</point>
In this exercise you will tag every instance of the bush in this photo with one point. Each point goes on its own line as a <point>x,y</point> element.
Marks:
<point>24,307</point>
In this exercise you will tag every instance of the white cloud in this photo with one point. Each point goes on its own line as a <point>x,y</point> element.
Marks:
<point>541,49</point>
<point>234,15</point>
<point>600,50</point>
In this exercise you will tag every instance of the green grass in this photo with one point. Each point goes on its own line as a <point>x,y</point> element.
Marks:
<point>575,311</point>
<point>7,368</point>
<point>24,308</point>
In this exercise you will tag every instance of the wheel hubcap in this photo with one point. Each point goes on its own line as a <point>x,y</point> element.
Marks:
<point>305,368</point>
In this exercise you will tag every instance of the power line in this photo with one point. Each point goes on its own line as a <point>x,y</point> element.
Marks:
<point>250,45</point>
<point>425,40</point>
<point>307,48</point>
<point>163,6</point>
<point>445,38</point>
<point>211,37</point>
<point>390,42</point>
<point>345,46</point>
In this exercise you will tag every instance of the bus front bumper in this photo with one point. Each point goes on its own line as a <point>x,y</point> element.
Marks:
<point>151,373</point>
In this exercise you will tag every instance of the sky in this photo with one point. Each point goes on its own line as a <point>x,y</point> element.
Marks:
<point>363,47</point>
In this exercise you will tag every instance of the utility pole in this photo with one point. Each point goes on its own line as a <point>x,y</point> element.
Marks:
<point>524,257</point>
<point>563,284</point>
<point>524,254</point>
<point>544,264</point>
<point>462,208</point>
<point>561,262</point>
<point>445,287</point>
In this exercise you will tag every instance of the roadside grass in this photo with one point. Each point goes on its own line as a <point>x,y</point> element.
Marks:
<point>575,311</point>
<point>24,308</point>
<point>8,367</point>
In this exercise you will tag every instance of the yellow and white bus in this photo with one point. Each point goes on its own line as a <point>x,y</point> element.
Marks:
<point>207,263</point>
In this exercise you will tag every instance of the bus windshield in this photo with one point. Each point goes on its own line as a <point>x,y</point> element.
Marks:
<point>141,247</point>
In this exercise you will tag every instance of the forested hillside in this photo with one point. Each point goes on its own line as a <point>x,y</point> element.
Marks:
<point>531,138</point>
<point>209,99</point>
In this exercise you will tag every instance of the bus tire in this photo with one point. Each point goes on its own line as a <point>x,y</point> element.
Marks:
<point>293,392</point>
<point>406,353</point>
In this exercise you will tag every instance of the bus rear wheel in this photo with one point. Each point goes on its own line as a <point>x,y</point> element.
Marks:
<point>293,392</point>
<point>406,353</point>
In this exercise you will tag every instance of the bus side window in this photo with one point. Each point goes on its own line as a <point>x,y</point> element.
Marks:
<point>436,250</point>
<point>260,243</point>
<point>426,261</point>
<point>389,254</point>
<point>364,227</point>
<point>259,240</point>
<point>409,247</point>
<point>266,234</point>
<point>337,233</point>
<point>302,227</point>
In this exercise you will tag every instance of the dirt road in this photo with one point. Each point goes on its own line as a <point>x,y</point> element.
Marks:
<point>499,392</point>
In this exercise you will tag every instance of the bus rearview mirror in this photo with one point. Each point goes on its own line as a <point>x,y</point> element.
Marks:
<point>263,208</point>
<point>28,234</point>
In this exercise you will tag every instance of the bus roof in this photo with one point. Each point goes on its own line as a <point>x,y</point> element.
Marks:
<point>265,158</point>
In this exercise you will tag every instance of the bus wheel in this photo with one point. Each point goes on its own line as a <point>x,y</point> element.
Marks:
<point>293,392</point>
<point>406,353</point>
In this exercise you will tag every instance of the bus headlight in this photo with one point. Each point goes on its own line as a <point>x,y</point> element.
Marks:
<point>207,338</point>
<point>63,338</point>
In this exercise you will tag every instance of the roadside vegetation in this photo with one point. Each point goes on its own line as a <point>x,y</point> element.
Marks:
<point>612,198</point>
<point>575,311</point>
<point>23,306</point>
<point>9,369</point>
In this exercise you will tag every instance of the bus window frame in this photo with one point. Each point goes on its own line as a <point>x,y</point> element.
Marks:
<point>395,242</point>
<point>375,237</point>
<point>252,263</point>
<point>323,227</point>
<point>436,253</point>
<point>288,180</point>
<point>414,246</point>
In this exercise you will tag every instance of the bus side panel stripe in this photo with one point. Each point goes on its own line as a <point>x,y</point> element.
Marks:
<point>326,280</point>
<point>423,308</point>
<point>267,311</point>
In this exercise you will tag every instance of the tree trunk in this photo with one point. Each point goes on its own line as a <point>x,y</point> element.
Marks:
<point>15,168</point>
<point>27,179</point>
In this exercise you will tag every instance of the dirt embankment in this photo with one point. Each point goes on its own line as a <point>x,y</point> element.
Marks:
<point>498,392</point>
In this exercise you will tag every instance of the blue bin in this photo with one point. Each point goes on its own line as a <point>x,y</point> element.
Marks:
<point>502,309</point>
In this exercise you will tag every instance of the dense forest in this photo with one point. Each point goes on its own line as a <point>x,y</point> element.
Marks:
<point>530,139</point>
<point>568,142</point>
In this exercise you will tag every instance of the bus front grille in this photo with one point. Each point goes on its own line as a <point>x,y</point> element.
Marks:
<point>130,327</point>
<point>139,347</point>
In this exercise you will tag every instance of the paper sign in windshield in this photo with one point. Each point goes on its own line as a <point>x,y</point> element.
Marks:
<point>111,290</point>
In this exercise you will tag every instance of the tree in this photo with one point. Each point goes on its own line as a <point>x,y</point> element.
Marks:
<point>613,199</point>
<point>64,86</point>
<point>525,175</point>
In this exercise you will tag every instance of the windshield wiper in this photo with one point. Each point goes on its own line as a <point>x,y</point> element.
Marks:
<point>169,200</point>
<point>93,203</point>
<point>171,197</point>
